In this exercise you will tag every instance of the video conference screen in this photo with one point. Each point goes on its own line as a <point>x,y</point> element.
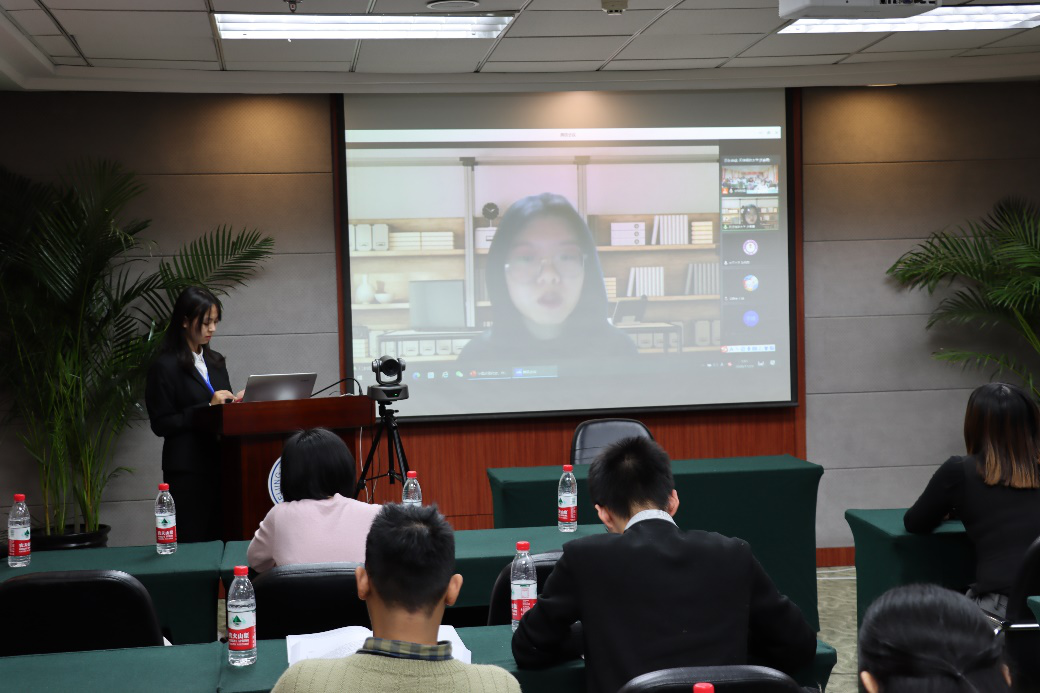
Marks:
<point>541,253</point>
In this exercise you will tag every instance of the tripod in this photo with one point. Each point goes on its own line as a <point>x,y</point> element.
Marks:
<point>387,424</point>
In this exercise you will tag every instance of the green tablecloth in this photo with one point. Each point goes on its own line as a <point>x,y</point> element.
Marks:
<point>489,645</point>
<point>183,586</point>
<point>179,669</point>
<point>887,555</point>
<point>1034,606</point>
<point>770,502</point>
<point>479,555</point>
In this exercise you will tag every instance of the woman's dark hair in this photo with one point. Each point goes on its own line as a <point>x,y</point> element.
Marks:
<point>591,310</point>
<point>928,639</point>
<point>410,556</point>
<point>1000,431</point>
<point>193,304</point>
<point>316,464</point>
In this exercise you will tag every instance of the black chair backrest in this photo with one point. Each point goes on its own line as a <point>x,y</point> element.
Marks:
<point>75,610</point>
<point>592,436</point>
<point>727,679</point>
<point>499,608</point>
<point>307,598</point>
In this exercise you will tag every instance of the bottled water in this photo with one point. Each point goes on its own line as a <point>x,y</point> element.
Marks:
<point>19,546</point>
<point>567,501</point>
<point>411,494</point>
<point>523,583</point>
<point>165,521</point>
<point>241,619</point>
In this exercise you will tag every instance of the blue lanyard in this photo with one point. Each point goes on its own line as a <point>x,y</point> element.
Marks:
<point>206,378</point>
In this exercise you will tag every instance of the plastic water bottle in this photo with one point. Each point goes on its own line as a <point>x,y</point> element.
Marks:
<point>19,545</point>
<point>241,619</point>
<point>523,583</point>
<point>165,521</point>
<point>567,501</point>
<point>411,494</point>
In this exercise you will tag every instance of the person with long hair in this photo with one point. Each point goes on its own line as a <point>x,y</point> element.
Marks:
<point>546,288</point>
<point>994,489</point>
<point>186,375</point>
<point>928,639</point>
<point>319,520</point>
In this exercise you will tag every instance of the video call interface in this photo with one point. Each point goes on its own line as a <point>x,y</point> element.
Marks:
<point>554,269</point>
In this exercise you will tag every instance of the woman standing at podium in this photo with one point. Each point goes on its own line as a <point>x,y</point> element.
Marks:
<point>187,375</point>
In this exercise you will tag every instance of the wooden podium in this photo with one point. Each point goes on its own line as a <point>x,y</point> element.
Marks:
<point>251,437</point>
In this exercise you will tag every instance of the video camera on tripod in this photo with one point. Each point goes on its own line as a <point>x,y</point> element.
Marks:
<point>384,392</point>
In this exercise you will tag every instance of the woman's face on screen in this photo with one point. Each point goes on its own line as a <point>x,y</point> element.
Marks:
<point>545,270</point>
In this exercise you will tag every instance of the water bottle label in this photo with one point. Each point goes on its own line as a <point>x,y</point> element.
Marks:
<point>241,633</point>
<point>165,529</point>
<point>18,541</point>
<point>523,596</point>
<point>567,510</point>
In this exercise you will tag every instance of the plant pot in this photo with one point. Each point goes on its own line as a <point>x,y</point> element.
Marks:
<point>70,539</point>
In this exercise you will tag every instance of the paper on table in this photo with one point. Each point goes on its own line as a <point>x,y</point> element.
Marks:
<point>343,642</point>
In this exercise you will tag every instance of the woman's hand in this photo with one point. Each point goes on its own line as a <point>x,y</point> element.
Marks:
<point>239,395</point>
<point>221,396</point>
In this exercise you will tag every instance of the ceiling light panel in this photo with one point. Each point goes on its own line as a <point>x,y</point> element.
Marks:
<point>961,18</point>
<point>272,26</point>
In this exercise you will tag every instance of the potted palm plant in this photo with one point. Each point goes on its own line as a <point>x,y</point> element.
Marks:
<point>993,269</point>
<point>80,319</point>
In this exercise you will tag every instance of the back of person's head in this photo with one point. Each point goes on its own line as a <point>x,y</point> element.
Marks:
<point>928,639</point>
<point>410,556</point>
<point>631,473</point>
<point>1001,425</point>
<point>316,464</point>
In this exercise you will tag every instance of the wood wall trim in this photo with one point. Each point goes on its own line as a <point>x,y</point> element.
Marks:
<point>797,239</point>
<point>835,556</point>
<point>343,318</point>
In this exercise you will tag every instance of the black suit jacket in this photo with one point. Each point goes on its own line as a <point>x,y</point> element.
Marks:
<point>657,597</point>
<point>170,395</point>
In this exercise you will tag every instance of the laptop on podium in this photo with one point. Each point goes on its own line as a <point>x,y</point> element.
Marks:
<point>279,386</point>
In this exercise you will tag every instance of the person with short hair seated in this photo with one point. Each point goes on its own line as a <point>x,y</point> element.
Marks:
<point>319,520</point>
<point>994,490</point>
<point>406,583</point>
<point>651,596</point>
<point>927,638</point>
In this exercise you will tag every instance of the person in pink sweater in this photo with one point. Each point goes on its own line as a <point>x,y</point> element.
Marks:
<point>319,522</point>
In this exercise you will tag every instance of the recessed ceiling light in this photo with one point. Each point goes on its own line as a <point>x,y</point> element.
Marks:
<point>448,5</point>
<point>961,18</point>
<point>368,26</point>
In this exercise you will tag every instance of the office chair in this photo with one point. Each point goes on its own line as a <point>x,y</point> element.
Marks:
<point>592,436</point>
<point>726,679</point>
<point>499,608</point>
<point>308,598</point>
<point>76,610</point>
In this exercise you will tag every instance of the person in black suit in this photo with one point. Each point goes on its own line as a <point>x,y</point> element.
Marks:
<point>186,375</point>
<point>650,596</point>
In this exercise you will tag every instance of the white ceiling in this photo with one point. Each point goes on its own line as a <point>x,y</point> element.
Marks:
<point>172,45</point>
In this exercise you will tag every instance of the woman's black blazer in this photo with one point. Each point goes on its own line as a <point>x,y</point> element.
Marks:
<point>171,395</point>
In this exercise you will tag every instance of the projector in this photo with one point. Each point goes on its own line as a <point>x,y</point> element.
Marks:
<point>855,9</point>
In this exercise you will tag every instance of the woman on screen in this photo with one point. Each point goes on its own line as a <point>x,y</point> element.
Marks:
<point>186,375</point>
<point>319,521</point>
<point>545,283</point>
<point>994,489</point>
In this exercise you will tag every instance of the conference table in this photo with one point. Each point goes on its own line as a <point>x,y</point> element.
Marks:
<point>768,501</point>
<point>183,585</point>
<point>888,556</point>
<point>480,554</point>
<point>204,668</point>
